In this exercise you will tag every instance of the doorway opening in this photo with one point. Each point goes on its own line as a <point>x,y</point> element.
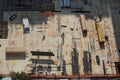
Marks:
<point>117,65</point>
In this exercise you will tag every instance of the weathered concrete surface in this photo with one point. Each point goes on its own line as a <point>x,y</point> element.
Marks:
<point>61,33</point>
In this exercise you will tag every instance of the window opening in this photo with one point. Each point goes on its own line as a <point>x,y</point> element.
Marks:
<point>64,3</point>
<point>3,30</point>
<point>117,65</point>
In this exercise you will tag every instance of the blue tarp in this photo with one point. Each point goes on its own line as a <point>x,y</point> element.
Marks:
<point>61,3</point>
<point>6,79</point>
<point>64,3</point>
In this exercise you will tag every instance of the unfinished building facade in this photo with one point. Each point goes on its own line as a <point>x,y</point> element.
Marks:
<point>62,37</point>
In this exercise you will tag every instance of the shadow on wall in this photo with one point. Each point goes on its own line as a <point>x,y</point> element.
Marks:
<point>15,56</point>
<point>64,68</point>
<point>34,18</point>
<point>28,5</point>
<point>75,63</point>
<point>87,63</point>
<point>42,61</point>
<point>116,25</point>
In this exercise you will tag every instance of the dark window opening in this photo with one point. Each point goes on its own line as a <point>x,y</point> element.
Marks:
<point>75,61</point>
<point>46,5</point>
<point>117,65</point>
<point>100,16</point>
<point>63,26</point>
<point>87,62</point>
<point>104,68</point>
<point>49,68</point>
<point>101,45</point>
<point>64,68</point>
<point>23,4</point>
<point>119,9</point>
<point>65,3</point>
<point>26,30</point>
<point>45,1</point>
<point>80,11</point>
<point>62,36</point>
<point>119,52</point>
<point>98,60</point>
<point>19,3</point>
<point>71,29</point>
<point>30,5</point>
<point>40,67</point>
<point>43,38</point>
<point>84,33</point>
<point>3,30</point>
<point>15,56</point>
<point>106,38</point>
<point>59,68</point>
<point>85,2</point>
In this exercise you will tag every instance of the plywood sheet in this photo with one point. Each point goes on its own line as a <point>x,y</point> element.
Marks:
<point>83,22</point>
<point>101,32</point>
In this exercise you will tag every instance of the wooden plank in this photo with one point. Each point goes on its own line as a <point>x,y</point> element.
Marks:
<point>83,22</point>
<point>101,32</point>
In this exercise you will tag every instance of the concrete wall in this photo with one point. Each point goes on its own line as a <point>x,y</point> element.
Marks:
<point>61,33</point>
